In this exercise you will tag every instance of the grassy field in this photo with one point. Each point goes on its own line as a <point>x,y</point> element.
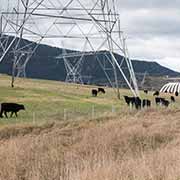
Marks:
<point>48,100</point>
<point>66,134</point>
<point>56,101</point>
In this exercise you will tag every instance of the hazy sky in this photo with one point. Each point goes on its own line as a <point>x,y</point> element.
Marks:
<point>152,29</point>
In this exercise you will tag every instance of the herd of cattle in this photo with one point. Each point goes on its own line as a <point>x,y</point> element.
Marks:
<point>141,103</point>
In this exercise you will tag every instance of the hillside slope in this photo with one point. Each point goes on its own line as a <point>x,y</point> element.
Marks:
<point>44,65</point>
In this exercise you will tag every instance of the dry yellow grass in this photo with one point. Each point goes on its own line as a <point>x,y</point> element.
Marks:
<point>142,145</point>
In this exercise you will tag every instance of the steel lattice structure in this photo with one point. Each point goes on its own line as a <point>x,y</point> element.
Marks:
<point>86,26</point>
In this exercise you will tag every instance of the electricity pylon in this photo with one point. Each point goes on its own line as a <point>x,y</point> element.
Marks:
<point>85,26</point>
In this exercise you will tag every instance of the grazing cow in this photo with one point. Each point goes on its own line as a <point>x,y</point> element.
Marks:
<point>165,102</point>
<point>137,103</point>
<point>94,92</point>
<point>145,91</point>
<point>134,101</point>
<point>156,93</point>
<point>146,103</point>
<point>10,107</point>
<point>172,99</point>
<point>158,100</point>
<point>176,93</point>
<point>129,100</point>
<point>101,90</point>
<point>162,101</point>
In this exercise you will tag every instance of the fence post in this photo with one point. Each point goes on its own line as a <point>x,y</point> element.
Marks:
<point>34,117</point>
<point>113,109</point>
<point>65,114</point>
<point>93,113</point>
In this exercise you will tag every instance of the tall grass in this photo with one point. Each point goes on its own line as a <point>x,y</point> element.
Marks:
<point>145,146</point>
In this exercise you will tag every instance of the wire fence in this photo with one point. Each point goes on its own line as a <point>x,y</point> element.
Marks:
<point>65,114</point>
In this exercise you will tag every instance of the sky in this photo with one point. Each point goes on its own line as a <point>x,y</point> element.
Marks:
<point>152,29</point>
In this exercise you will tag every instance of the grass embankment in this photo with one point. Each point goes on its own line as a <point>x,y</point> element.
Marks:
<point>124,145</point>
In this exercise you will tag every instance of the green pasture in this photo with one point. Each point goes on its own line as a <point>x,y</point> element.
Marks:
<point>56,101</point>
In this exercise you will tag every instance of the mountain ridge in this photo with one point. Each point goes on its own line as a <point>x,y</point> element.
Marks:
<point>44,65</point>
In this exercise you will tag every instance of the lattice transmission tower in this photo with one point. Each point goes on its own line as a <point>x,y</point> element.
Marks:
<point>88,27</point>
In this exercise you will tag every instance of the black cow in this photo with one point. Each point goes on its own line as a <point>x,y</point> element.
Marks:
<point>156,93</point>
<point>134,101</point>
<point>146,103</point>
<point>137,103</point>
<point>101,90</point>
<point>145,91</point>
<point>165,102</point>
<point>10,107</point>
<point>172,99</point>
<point>162,101</point>
<point>176,93</point>
<point>158,100</point>
<point>94,92</point>
<point>129,100</point>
